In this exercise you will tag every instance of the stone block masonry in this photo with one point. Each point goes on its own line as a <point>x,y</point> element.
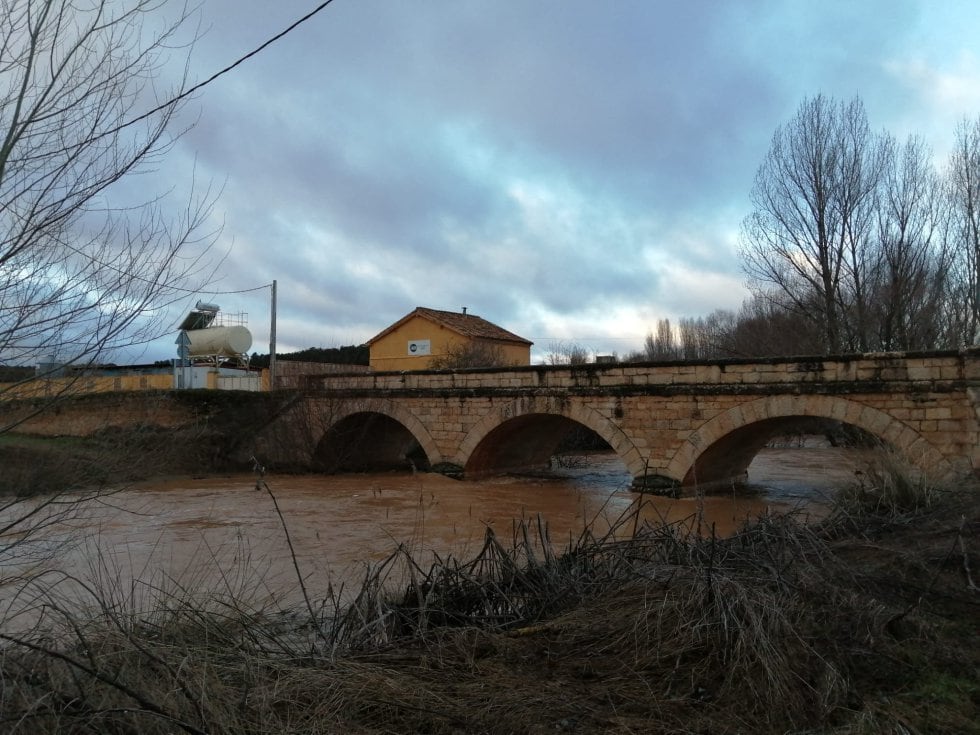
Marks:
<point>673,424</point>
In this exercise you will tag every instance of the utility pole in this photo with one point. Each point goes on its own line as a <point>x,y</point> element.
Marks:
<point>272,342</point>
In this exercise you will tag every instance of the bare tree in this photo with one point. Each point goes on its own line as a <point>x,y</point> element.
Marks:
<point>854,243</point>
<point>807,236</point>
<point>862,160</point>
<point>662,344</point>
<point>84,268</point>
<point>567,353</point>
<point>910,279</point>
<point>763,326</point>
<point>964,197</point>
<point>89,261</point>
<point>766,326</point>
<point>692,337</point>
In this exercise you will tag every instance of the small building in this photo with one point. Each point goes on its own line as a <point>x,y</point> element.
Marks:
<point>429,338</point>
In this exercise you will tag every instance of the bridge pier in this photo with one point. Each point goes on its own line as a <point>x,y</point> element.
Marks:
<point>669,487</point>
<point>449,469</point>
<point>657,485</point>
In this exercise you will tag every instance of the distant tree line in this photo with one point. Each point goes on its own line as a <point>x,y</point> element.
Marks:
<point>757,329</point>
<point>856,242</point>
<point>346,355</point>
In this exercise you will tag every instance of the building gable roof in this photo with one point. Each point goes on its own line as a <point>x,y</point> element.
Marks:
<point>468,325</point>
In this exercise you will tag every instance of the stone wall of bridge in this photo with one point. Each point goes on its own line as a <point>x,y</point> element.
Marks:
<point>670,423</point>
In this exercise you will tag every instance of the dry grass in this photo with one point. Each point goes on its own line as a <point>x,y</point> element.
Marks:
<point>889,486</point>
<point>850,627</point>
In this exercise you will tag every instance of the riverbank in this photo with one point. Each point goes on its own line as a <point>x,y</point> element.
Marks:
<point>107,439</point>
<point>865,623</point>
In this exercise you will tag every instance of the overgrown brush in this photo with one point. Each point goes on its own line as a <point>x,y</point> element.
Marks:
<point>641,628</point>
<point>889,487</point>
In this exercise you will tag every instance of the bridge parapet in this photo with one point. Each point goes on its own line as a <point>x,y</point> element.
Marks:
<point>923,368</point>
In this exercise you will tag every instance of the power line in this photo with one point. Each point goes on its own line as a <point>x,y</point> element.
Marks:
<point>152,281</point>
<point>187,93</point>
<point>587,338</point>
<point>200,85</point>
<point>220,293</point>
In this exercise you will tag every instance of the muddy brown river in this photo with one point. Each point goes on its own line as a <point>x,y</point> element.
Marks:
<point>222,534</point>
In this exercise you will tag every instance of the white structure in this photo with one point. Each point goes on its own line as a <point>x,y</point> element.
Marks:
<point>205,346</point>
<point>204,337</point>
<point>216,378</point>
<point>220,342</point>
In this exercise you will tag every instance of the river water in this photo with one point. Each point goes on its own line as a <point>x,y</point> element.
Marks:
<point>232,535</point>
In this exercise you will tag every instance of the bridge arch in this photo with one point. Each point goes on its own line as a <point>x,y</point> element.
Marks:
<point>722,448</point>
<point>524,434</point>
<point>379,435</point>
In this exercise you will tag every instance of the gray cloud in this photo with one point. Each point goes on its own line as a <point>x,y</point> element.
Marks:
<point>545,164</point>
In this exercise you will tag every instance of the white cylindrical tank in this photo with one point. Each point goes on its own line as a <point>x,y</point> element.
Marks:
<point>223,341</point>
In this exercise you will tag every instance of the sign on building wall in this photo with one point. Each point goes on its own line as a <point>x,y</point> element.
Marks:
<point>419,347</point>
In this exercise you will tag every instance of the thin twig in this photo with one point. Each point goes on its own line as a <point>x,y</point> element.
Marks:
<point>260,483</point>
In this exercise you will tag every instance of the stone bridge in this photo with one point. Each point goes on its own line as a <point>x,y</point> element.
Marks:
<point>672,424</point>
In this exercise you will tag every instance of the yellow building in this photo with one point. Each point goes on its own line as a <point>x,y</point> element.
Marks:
<point>429,338</point>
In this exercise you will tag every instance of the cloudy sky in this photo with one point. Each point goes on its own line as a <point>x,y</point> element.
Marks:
<point>570,170</point>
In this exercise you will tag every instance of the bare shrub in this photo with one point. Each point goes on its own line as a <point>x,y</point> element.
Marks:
<point>889,486</point>
<point>473,354</point>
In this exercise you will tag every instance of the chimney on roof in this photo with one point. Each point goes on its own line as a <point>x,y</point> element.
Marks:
<point>464,311</point>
